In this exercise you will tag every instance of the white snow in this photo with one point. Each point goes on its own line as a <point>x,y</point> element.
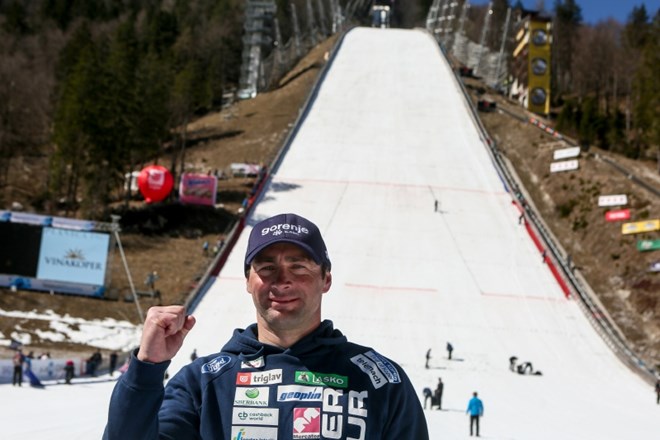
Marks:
<point>387,135</point>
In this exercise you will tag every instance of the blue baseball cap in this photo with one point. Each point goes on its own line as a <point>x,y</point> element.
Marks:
<point>287,228</point>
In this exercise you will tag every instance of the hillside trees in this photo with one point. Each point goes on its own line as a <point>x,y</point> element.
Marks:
<point>611,98</point>
<point>123,92</point>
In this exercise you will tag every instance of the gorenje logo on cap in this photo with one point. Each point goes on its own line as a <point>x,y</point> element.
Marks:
<point>280,228</point>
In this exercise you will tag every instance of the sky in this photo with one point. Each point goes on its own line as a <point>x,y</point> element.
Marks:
<point>367,167</point>
<point>594,11</point>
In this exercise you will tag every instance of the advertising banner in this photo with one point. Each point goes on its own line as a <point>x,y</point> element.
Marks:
<point>637,227</point>
<point>73,256</point>
<point>538,68</point>
<point>566,165</point>
<point>198,189</point>
<point>566,153</point>
<point>648,245</point>
<point>614,216</point>
<point>613,200</point>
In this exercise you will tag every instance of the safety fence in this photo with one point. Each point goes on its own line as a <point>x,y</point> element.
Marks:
<point>569,279</point>
<point>213,270</point>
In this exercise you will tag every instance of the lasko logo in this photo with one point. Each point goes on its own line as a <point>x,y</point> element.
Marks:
<point>253,433</point>
<point>257,396</point>
<point>323,379</point>
<point>253,363</point>
<point>216,364</point>
<point>306,423</point>
<point>287,393</point>
<point>385,366</point>
<point>281,228</point>
<point>369,367</point>
<point>252,416</point>
<point>259,377</point>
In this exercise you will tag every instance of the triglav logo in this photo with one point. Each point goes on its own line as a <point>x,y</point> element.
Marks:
<point>259,377</point>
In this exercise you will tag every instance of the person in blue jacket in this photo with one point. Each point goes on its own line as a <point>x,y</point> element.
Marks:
<point>476,409</point>
<point>290,375</point>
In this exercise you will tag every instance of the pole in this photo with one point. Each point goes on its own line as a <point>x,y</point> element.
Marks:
<point>115,230</point>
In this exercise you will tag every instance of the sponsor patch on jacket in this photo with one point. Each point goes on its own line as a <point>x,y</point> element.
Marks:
<point>253,433</point>
<point>254,363</point>
<point>255,416</point>
<point>215,365</point>
<point>286,393</point>
<point>306,423</point>
<point>322,379</point>
<point>259,377</point>
<point>385,366</point>
<point>251,396</point>
<point>371,370</point>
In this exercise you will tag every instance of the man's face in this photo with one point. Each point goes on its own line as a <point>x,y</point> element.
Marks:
<point>287,286</point>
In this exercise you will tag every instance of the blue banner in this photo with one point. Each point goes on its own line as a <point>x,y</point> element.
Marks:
<point>73,256</point>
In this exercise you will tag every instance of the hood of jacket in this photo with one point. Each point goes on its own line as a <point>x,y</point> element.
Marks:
<point>245,344</point>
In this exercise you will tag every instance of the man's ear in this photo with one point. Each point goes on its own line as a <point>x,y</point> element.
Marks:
<point>327,282</point>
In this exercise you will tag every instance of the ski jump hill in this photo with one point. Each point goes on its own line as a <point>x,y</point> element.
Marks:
<point>387,133</point>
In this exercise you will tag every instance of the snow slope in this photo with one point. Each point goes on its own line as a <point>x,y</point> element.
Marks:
<point>387,136</point>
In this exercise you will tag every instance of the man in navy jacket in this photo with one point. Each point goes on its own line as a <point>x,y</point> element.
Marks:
<point>289,376</point>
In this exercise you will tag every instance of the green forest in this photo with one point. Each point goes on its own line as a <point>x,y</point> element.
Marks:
<point>101,87</point>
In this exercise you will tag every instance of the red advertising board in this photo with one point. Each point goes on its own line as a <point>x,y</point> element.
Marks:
<point>198,189</point>
<point>619,214</point>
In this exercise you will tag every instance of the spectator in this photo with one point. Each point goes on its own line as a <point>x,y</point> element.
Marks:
<point>438,392</point>
<point>450,348</point>
<point>68,371</point>
<point>113,362</point>
<point>18,361</point>
<point>657,392</point>
<point>287,271</point>
<point>193,355</point>
<point>475,409</point>
<point>151,279</point>
<point>512,363</point>
<point>428,357</point>
<point>94,362</point>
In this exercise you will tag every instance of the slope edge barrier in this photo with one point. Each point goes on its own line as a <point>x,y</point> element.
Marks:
<point>213,270</point>
<point>553,254</point>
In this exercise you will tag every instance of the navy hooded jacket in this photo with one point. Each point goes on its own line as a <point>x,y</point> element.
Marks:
<point>322,387</point>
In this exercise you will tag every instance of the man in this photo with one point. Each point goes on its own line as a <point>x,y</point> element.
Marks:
<point>290,375</point>
<point>450,348</point>
<point>428,358</point>
<point>18,360</point>
<point>438,392</point>
<point>475,409</point>
<point>113,362</point>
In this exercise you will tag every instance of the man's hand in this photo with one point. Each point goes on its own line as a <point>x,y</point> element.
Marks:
<point>164,330</point>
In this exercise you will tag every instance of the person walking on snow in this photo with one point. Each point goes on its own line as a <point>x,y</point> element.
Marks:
<point>450,348</point>
<point>305,376</point>
<point>428,357</point>
<point>18,361</point>
<point>438,392</point>
<point>475,409</point>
